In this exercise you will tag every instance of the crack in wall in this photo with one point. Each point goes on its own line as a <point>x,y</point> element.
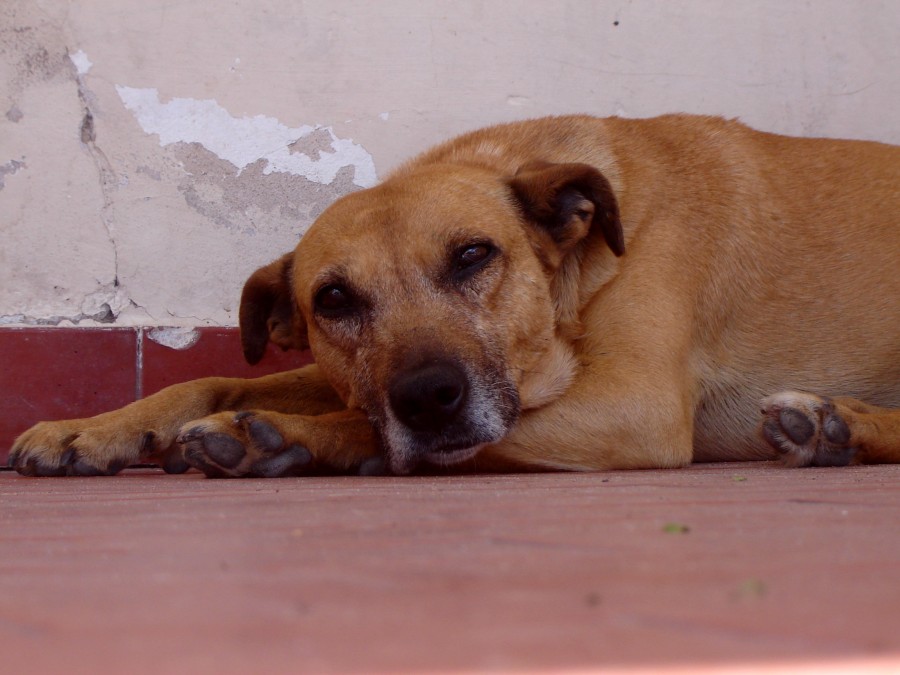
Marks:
<point>105,315</point>
<point>107,178</point>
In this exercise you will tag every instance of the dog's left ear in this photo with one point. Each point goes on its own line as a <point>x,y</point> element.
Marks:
<point>567,201</point>
<point>268,312</point>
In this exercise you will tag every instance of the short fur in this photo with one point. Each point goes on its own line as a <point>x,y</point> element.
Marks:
<point>563,293</point>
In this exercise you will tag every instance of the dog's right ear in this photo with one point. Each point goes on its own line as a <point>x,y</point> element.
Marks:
<point>268,312</point>
<point>568,202</point>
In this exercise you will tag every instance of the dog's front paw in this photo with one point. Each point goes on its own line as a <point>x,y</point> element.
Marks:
<point>70,448</point>
<point>807,430</point>
<point>97,446</point>
<point>242,444</point>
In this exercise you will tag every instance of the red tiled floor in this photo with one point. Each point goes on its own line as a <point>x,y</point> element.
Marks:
<point>216,352</point>
<point>54,373</point>
<point>744,568</point>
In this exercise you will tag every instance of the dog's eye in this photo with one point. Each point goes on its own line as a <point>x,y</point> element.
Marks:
<point>333,300</point>
<point>471,258</point>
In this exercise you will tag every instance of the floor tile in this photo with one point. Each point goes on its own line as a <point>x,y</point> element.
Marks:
<point>770,570</point>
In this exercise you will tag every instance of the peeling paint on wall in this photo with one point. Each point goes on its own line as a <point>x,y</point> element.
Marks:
<point>133,206</point>
<point>81,62</point>
<point>243,141</point>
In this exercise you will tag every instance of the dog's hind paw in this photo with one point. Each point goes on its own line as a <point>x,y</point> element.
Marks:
<point>807,430</point>
<point>242,444</point>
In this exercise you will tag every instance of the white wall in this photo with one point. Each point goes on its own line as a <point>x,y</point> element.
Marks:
<point>216,131</point>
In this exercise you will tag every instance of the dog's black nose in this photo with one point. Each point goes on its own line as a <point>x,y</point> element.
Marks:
<point>430,397</point>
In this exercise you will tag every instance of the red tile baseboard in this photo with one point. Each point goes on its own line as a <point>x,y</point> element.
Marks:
<point>217,351</point>
<point>59,373</point>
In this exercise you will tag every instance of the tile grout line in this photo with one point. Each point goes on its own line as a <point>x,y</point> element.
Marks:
<point>139,364</point>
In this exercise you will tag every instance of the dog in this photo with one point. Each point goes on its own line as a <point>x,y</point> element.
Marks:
<point>567,293</point>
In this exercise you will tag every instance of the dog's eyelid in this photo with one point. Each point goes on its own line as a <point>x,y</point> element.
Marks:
<point>473,254</point>
<point>335,300</point>
<point>471,257</point>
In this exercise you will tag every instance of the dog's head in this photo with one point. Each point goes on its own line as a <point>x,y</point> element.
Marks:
<point>440,302</point>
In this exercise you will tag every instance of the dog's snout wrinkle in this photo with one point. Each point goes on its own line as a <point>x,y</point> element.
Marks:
<point>429,398</point>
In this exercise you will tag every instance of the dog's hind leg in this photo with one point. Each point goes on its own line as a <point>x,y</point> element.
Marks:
<point>810,430</point>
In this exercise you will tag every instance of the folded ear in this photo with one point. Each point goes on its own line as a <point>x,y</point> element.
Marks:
<point>268,312</point>
<point>567,201</point>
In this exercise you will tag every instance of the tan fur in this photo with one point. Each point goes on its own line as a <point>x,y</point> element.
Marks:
<point>654,281</point>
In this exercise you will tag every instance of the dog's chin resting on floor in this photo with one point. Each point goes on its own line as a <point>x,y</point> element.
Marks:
<point>567,293</point>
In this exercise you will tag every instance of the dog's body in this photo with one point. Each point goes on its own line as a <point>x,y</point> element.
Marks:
<point>564,293</point>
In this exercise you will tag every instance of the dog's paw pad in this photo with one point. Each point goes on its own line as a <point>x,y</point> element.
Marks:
<point>291,461</point>
<point>374,466</point>
<point>242,444</point>
<point>796,425</point>
<point>263,435</point>
<point>81,467</point>
<point>836,430</point>
<point>210,452</point>
<point>806,430</point>
<point>223,449</point>
<point>175,463</point>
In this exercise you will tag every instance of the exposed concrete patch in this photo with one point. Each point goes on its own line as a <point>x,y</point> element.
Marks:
<point>175,338</point>
<point>149,171</point>
<point>109,299</point>
<point>103,306</point>
<point>104,315</point>
<point>243,141</point>
<point>313,144</point>
<point>11,168</point>
<point>250,201</point>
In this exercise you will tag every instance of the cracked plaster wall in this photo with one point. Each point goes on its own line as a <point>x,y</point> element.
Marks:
<point>153,154</point>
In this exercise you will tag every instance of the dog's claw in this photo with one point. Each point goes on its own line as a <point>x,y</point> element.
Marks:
<point>264,436</point>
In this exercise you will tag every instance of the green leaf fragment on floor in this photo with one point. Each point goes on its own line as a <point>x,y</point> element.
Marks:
<point>676,528</point>
<point>752,588</point>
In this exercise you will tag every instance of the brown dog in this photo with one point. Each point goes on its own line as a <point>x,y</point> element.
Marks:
<point>565,293</point>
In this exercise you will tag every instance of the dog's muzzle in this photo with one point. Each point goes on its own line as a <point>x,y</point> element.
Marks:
<point>442,412</point>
